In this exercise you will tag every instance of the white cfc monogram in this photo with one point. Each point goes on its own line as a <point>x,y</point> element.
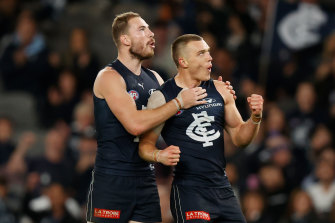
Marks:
<point>198,131</point>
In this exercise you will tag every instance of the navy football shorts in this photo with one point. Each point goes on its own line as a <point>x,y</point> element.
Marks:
<point>121,199</point>
<point>199,204</point>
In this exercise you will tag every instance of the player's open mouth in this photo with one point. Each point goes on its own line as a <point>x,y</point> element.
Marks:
<point>152,44</point>
<point>209,68</point>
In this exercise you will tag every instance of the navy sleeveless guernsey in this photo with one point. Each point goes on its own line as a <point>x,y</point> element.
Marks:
<point>117,149</point>
<point>198,131</point>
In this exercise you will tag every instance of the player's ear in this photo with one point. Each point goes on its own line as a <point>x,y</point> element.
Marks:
<point>125,40</point>
<point>182,62</point>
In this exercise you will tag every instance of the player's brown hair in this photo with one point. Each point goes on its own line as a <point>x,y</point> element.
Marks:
<point>120,25</point>
<point>180,43</point>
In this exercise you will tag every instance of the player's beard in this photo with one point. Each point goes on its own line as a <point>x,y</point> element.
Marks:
<point>136,53</point>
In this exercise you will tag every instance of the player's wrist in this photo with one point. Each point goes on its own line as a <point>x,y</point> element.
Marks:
<point>179,98</point>
<point>155,155</point>
<point>177,103</point>
<point>256,118</point>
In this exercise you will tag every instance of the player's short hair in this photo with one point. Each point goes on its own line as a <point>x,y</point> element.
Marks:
<point>180,43</point>
<point>120,25</point>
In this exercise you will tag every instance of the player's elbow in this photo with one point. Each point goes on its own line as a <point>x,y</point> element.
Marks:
<point>136,129</point>
<point>140,152</point>
<point>240,142</point>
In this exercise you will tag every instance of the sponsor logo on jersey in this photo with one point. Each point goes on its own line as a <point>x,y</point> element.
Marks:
<point>210,103</point>
<point>103,213</point>
<point>151,91</point>
<point>179,112</point>
<point>201,129</point>
<point>190,215</point>
<point>141,85</point>
<point>134,94</point>
<point>152,166</point>
<point>209,100</point>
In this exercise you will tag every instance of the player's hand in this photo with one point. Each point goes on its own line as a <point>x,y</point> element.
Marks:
<point>169,156</point>
<point>191,97</point>
<point>255,102</point>
<point>228,86</point>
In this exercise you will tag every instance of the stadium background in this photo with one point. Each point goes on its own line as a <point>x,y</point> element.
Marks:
<point>51,51</point>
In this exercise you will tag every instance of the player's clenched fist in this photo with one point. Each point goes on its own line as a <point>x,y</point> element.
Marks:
<point>255,102</point>
<point>169,156</point>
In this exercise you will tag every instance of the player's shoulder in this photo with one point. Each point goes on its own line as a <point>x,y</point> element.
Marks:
<point>158,77</point>
<point>108,73</point>
<point>107,78</point>
<point>168,84</point>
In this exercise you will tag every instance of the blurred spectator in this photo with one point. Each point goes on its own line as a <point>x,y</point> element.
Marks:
<point>81,60</point>
<point>6,144</point>
<point>60,100</point>
<point>24,62</point>
<point>253,162</point>
<point>211,40</point>
<point>212,17</point>
<point>51,10</point>
<point>52,110</point>
<point>68,87</point>
<point>320,139</point>
<point>53,166</point>
<point>233,177</point>
<point>325,81</point>
<point>289,80</point>
<point>275,121</point>
<point>16,165</point>
<point>165,34</point>
<point>305,117</point>
<point>237,41</point>
<point>274,187</point>
<point>12,154</point>
<point>5,215</point>
<point>55,205</point>
<point>81,126</point>
<point>300,209</point>
<point>322,192</point>
<point>8,13</point>
<point>282,155</point>
<point>331,112</point>
<point>254,207</point>
<point>87,148</point>
<point>224,65</point>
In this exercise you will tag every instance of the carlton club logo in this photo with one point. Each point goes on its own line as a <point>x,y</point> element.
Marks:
<point>199,130</point>
<point>103,213</point>
<point>190,215</point>
<point>134,94</point>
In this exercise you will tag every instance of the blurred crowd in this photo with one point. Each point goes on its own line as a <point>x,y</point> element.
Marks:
<point>287,175</point>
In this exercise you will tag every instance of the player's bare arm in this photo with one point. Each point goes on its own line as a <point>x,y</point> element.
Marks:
<point>147,147</point>
<point>109,85</point>
<point>149,152</point>
<point>241,132</point>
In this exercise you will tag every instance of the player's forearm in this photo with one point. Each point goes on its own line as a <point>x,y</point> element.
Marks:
<point>144,120</point>
<point>247,132</point>
<point>148,151</point>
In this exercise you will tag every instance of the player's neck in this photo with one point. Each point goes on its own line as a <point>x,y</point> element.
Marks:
<point>133,64</point>
<point>184,80</point>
